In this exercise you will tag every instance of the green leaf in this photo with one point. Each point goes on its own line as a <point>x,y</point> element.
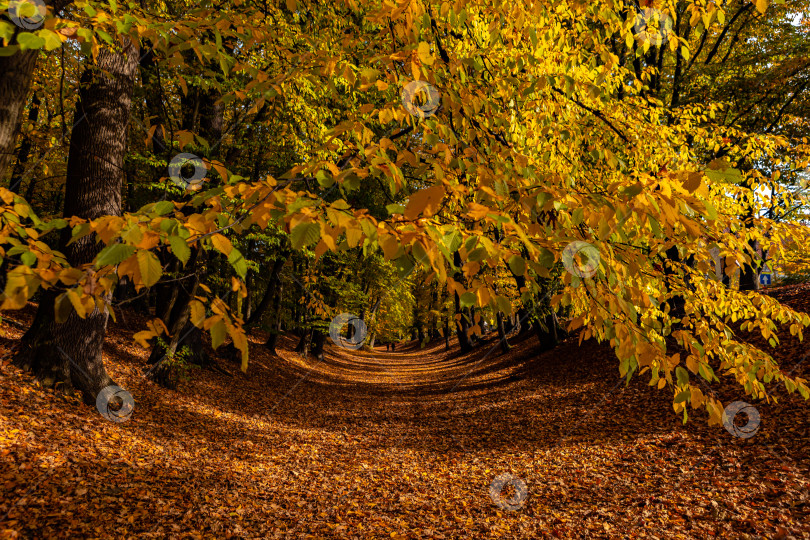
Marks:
<point>517,265</point>
<point>28,258</point>
<point>114,254</point>
<point>682,375</point>
<point>545,258</point>
<point>6,30</point>
<point>478,254</point>
<point>28,40</point>
<point>238,262</point>
<point>180,249</point>
<point>162,208</point>
<point>104,35</point>
<point>404,266</point>
<point>11,50</point>
<point>503,304</point>
<point>452,240</point>
<point>150,268</point>
<point>324,180</point>
<point>633,190</point>
<point>305,234</point>
<point>467,299</point>
<point>51,38</point>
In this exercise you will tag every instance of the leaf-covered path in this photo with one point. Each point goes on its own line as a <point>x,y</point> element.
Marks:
<point>398,444</point>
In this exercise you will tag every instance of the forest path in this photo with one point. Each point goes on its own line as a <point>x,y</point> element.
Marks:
<point>402,444</point>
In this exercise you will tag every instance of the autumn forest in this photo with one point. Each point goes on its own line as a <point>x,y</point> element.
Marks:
<point>409,269</point>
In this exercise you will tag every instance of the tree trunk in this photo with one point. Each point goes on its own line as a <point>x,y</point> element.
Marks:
<point>18,173</point>
<point>547,332</point>
<point>447,333</point>
<point>69,353</point>
<point>303,344</point>
<point>505,347</point>
<point>677,303</point>
<point>177,318</point>
<point>749,273</point>
<point>319,341</point>
<point>17,71</point>
<point>462,324</point>
<point>273,286</point>
<point>272,340</point>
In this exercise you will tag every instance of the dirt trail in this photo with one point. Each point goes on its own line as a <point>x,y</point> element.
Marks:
<point>401,444</point>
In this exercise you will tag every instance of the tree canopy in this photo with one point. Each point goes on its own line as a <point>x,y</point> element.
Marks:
<point>596,160</point>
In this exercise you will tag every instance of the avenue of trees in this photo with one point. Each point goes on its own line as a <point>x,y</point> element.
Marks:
<point>572,167</point>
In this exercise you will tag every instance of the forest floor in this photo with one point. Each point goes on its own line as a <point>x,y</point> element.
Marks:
<point>398,444</point>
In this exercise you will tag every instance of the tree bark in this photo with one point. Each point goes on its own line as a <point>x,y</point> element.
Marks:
<point>462,324</point>
<point>17,70</point>
<point>69,353</point>
<point>547,332</point>
<point>176,318</point>
<point>273,285</point>
<point>318,343</point>
<point>18,173</point>
<point>272,339</point>
<point>505,347</point>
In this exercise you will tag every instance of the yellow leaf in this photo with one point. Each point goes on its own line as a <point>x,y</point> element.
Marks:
<point>353,236</point>
<point>222,244</point>
<point>762,5</point>
<point>390,246</point>
<point>143,338</point>
<point>424,53</point>
<point>477,211</point>
<point>425,202</point>
<point>217,333</point>
<point>76,300</point>
<point>241,343</point>
<point>197,316</point>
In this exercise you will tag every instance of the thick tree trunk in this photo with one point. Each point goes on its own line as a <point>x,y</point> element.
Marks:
<point>505,347</point>
<point>273,286</point>
<point>18,173</point>
<point>547,332</point>
<point>303,344</point>
<point>462,328</point>
<point>318,343</point>
<point>177,320</point>
<point>69,353</point>
<point>17,71</point>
